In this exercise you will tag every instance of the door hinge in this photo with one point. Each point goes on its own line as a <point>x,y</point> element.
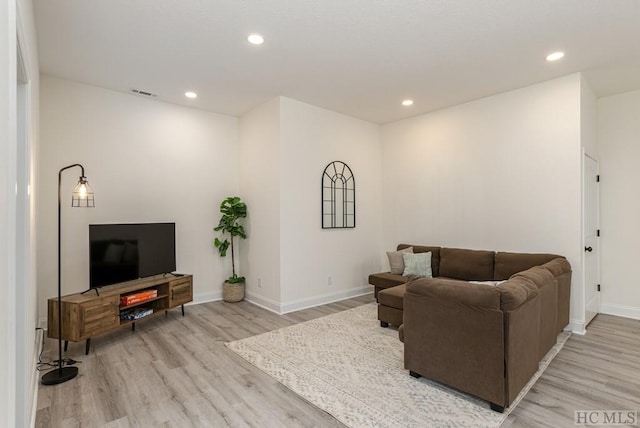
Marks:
<point>598,178</point>
<point>598,232</point>
<point>598,287</point>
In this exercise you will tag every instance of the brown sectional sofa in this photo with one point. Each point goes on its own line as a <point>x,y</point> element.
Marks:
<point>481,339</point>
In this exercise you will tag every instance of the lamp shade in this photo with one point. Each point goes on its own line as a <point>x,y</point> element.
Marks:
<point>82,195</point>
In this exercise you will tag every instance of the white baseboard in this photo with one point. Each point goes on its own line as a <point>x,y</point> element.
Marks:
<point>620,310</point>
<point>286,307</point>
<point>310,302</point>
<point>217,296</point>
<point>263,302</point>
<point>212,296</point>
<point>577,327</point>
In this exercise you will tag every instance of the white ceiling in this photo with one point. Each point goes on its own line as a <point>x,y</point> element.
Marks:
<point>357,57</point>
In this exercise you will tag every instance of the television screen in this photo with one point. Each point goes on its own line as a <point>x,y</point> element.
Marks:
<point>122,252</point>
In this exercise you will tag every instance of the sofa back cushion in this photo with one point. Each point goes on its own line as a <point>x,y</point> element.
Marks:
<point>435,255</point>
<point>506,264</point>
<point>470,265</point>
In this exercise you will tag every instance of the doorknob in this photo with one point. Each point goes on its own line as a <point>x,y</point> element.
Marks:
<point>588,249</point>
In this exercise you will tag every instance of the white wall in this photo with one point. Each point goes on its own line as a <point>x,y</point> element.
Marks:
<point>500,173</point>
<point>18,155</point>
<point>588,118</point>
<point>618,130</point>
<point>286,145</point>
<point>147,161</point>
<point>311,137</point>
<point>260,189</point>
<point>7,214</point>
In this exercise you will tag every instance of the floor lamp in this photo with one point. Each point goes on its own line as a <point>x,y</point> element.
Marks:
<point>82,196</point>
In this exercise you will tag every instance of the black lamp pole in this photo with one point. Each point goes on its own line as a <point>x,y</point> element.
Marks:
<point>82,197</point>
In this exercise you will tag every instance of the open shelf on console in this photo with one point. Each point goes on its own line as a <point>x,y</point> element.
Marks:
<point>133,305</point>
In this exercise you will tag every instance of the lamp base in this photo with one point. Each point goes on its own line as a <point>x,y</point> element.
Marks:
<point>59,375</point>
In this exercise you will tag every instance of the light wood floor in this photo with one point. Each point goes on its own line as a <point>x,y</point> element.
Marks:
<point>597,371</point>
<point>176,372</point>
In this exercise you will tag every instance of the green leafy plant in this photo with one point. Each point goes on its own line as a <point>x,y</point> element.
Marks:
<point>232,209</point>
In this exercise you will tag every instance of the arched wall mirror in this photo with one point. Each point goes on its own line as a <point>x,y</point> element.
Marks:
<point>338,196</point>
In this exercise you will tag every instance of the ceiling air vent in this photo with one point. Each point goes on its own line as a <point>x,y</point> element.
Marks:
<point>145,93</point>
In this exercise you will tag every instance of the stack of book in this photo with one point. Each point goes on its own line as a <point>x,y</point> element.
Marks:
<point>141,296</point>
<point>135,313</point>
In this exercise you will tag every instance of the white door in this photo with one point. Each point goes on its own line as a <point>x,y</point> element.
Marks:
<point>591,240</point>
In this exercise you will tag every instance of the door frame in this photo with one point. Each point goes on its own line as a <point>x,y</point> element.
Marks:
<point>584,302</point>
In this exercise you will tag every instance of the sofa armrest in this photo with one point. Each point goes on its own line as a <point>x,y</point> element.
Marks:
<point>522,343</point>
<point>516,291</point>
<point>465,293</point>
<point>561,270</point>
<point>521,300</point>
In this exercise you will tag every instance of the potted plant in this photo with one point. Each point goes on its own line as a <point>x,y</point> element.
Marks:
<point>232,209</point>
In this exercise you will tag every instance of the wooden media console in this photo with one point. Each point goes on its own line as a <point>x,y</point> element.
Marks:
<point>97,311</point>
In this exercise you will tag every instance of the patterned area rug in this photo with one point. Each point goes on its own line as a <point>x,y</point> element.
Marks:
<point>350,367</point>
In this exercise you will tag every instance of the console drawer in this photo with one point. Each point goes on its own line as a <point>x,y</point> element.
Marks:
<point>99,315</point>
<point>180,293</point>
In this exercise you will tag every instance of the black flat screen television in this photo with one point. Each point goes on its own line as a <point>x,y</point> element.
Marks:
<point>122,252</point>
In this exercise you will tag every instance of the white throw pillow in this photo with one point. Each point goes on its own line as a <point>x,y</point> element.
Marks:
<point>417,264</point>
<point>492,283</point>
<point>396,263</point>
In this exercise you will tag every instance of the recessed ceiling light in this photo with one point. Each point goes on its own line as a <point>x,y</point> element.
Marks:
<point>190,94</point>
<point>555,56</point>
<point>407,103</point>
<point>255,39</point>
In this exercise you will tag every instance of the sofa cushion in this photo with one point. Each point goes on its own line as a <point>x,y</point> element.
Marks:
<point>507,264</point>
<point>392,316</point>
<point>435,255</point>
<point>470,265</point>
<point>393,296</point>
<point>386,279</point>
<point>417,264</point>
<point>396,262</point>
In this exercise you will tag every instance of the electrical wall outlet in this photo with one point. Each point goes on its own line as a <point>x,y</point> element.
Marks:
<point>259,282</point>
<point>329,280</point>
